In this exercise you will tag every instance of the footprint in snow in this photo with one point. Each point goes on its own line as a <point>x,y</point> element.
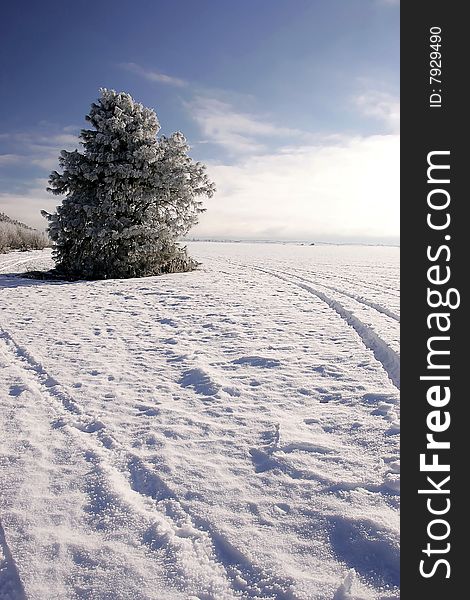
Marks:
<point>282,507</point>
<point>311,421</point>
<point>330,397</point>
<point>328,371</point>
<point>88,426</point>
<point>257,361</point>
<point>232,391</point>
<point>305,447</point>
<point>82,424</point>
<point>169,322</point>
<point>148,411</point>
<point>378,398</point>
<point>200,381</point>
<point>271,437</point>
<point>394,429</point>
<point>261,457</point>
<point>262,460</point>
<point>17,390</point>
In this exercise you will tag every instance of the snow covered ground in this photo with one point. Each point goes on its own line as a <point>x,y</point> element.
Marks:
<point>227,433</point>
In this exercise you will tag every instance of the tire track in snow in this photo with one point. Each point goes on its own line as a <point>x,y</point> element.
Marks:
<point>247,579</point>
<point>14,263</point>
<point>37,370</point>
<point>193,551</point>
<point>198,538</point>
<point>378,307</point>
<point>377,287</point>
<point>388,358</point>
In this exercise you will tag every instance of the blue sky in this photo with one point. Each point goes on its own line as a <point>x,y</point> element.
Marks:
<point>292,104</point>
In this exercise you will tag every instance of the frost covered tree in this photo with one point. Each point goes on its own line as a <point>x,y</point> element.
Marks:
<point>129,195</point>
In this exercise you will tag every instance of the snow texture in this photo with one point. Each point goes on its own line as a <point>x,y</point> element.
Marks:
<point>226,433</point>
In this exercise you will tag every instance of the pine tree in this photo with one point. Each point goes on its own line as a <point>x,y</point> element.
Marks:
<point>129,196</point>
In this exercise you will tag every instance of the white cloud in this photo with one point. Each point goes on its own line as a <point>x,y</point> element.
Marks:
<point>41,150</point>
<point>38,149</point>
<point>310,186</point>
<point>152,75</point>
<point>329,192</point>
<point>26,207</point>
<point>381,106</point>
<point>10,159</point>
<point>237,132</point>
<point>330,188</point>
<point>341,190</point>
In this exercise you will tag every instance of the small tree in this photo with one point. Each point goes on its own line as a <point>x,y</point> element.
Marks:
<point>129,196</point>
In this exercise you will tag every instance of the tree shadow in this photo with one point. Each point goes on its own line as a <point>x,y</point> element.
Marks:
<point>14,280</point>
<point>11,585</point>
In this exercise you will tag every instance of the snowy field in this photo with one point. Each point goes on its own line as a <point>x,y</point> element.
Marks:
<point>227,433</point>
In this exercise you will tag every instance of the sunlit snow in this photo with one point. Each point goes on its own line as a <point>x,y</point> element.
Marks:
<point>226,433</point>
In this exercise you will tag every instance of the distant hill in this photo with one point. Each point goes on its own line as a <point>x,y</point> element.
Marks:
<point>15,235</point>
<point>6,219</point>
